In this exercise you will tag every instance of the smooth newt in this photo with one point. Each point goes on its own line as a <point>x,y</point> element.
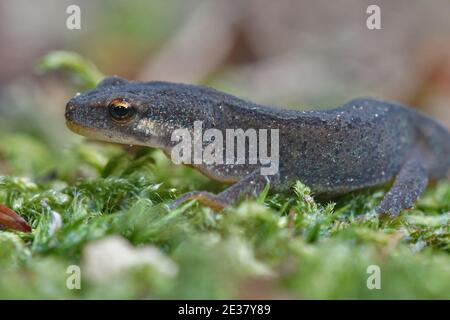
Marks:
<point>364,143</point>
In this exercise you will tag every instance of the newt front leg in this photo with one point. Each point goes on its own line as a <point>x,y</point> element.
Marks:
<point>250,186</point>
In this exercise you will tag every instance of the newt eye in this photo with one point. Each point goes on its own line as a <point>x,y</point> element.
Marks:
<point>121,111</point>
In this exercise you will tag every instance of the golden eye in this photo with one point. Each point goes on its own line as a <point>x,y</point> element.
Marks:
<point>121,111</point>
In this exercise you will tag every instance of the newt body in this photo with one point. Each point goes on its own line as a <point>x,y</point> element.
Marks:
<point>364,143</point>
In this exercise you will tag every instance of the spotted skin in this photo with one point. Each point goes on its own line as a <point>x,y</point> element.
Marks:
<point>364,143</point>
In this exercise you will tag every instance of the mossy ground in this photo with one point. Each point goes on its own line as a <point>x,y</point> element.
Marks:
<point>277,246</point>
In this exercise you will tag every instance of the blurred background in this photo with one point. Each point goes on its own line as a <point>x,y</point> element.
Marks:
<point>295,53</point>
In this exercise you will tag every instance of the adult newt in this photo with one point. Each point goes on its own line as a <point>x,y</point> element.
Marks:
<point>364,143</point>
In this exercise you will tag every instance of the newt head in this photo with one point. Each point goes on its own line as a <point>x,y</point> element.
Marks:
<point>109,112</point>
<point>132,112</point>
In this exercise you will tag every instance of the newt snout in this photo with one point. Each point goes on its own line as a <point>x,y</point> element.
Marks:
<point>70,110</point>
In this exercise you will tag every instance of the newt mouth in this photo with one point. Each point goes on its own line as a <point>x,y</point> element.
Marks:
<point>98,134</point>
<point>81,130</point>
<point>12,220</point>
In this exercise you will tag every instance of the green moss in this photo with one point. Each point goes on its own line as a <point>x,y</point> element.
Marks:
<point>297,246</point>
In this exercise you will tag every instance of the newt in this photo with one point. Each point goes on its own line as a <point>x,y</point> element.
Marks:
<point>364,143</point>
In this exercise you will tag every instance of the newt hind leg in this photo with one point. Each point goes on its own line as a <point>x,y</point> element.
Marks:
<point>409,184</point>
